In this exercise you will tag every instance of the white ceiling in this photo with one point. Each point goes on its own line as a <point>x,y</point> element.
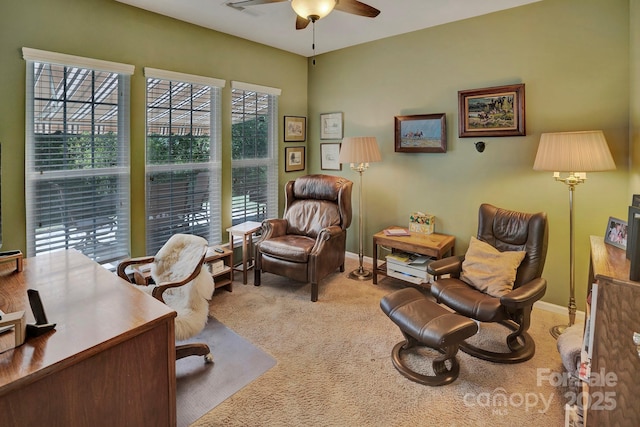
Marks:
<point>274,24</point>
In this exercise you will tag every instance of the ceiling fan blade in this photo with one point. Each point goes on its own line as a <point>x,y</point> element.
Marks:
<point>357,8</point>
<point>245,3</point>
<point>301,23</point>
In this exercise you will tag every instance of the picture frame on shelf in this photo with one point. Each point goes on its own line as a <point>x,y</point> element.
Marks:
<point>616,233</point>
<point>294,159</point>
<point>329,156</point>
<point>635,200</point>
<point>493,111</point>
<point>295,129</point>
<point>423,133</point>
<point>331,125</point>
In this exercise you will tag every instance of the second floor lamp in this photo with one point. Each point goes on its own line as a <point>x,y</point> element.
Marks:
<point>359,151</point>
<point>574,153</point>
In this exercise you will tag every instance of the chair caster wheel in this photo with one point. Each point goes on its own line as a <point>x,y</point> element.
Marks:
<point>208,358</point>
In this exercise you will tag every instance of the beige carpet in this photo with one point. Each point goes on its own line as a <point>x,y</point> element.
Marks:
<point>334,367</point>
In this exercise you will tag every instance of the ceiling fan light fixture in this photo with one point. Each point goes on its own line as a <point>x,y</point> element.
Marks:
<point>313,9</point>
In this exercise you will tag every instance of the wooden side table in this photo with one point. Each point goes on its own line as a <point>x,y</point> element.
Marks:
<point>246,231</point>
<point>224,277</point>
<point>435,245</point>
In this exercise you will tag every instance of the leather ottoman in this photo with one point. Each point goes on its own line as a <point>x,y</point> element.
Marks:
<point>425,323</point>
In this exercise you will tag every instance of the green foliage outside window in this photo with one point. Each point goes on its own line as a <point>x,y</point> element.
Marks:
<point>61,151</point>
<point>250,140</point>
<point>174,149</point>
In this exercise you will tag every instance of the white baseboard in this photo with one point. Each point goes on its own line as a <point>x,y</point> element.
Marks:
<point>553,308</point>
<point>541,305</point>
<point>365,260</point>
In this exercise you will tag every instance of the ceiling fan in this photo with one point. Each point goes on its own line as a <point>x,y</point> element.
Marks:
<point>312,10</point>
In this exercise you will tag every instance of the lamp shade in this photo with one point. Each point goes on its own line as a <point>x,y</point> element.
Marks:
<point>584,151</point>
<point>359,149</point>
<point>315,9</point>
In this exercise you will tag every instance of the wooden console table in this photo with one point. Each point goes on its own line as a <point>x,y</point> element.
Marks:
<point>434,245</point>
<point>110,360</point>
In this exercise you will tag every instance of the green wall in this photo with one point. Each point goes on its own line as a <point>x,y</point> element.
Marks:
<point>112,31</point>
<point>573,56</point>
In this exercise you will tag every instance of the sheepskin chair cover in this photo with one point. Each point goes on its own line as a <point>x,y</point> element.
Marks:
<point>177,259</point>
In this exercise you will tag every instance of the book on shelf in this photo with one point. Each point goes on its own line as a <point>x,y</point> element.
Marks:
<point>396,232</point>
<point>401,257</point>
<point>421,261</point>
<point>415,260</point>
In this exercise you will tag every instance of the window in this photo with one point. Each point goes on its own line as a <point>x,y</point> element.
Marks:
<point>77,155</point>
<point>183,170</point>
<point>254,136</point>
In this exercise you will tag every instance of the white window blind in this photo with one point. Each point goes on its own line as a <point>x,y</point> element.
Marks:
<point>77,155</point>
<point>183,166</point>
<point>254,145</point>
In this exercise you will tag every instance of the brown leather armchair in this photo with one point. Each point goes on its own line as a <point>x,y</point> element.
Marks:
<point>505,230</point>
<point>310,241</point>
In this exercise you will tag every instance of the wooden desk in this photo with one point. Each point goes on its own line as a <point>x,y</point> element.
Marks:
<point>110,360</point>
<point>434,245</point>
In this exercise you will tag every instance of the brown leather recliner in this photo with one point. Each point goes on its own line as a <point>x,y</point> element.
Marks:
<point>310,241</point>
<point>505,230</point>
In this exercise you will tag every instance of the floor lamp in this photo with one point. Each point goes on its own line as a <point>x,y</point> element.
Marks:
<point>359,151</point>
<point>575,153</point>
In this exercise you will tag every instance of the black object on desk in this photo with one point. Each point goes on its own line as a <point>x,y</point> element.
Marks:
<point>42,324</point>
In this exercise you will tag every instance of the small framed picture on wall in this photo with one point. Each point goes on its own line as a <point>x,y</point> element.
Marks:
<point>295,129</point>
<point>331,126</point>
<point>329,154</point>
<point>294,159</point>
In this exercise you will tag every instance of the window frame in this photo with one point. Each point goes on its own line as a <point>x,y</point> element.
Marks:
<point>258,201</point>
<point>86,229</point>
<point>172,205</point>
